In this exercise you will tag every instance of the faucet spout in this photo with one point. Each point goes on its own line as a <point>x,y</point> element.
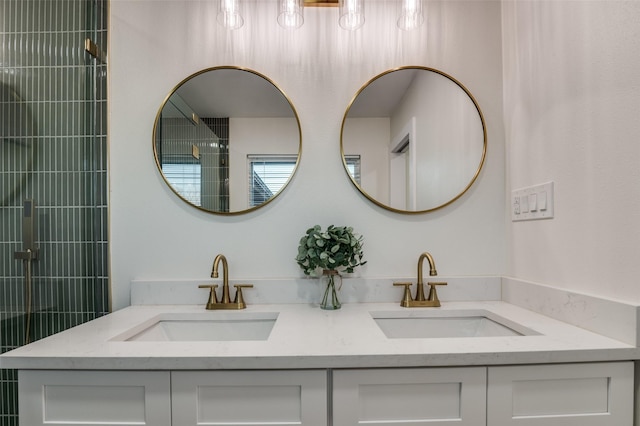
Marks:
<point>432,265</point>
<point>225,276</point>
<point>432,272</point>
<point>225,303</point>
<point>420,301</point>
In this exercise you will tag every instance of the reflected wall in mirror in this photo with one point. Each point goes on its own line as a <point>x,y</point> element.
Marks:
<point>227,140</point>
<point>413,140</point>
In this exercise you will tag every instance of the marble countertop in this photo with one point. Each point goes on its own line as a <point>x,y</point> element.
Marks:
<point>305,336</point>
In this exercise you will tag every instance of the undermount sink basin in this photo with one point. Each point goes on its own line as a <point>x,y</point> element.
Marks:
<point>204,327</point>
<point>439,324</point>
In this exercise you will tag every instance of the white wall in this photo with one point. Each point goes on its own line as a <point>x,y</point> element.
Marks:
<point>369,138</point>
<point>156,44</point>
<point>572,115</point>
<point>450,133</point>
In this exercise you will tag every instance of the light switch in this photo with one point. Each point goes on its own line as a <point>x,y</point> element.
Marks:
<point>533,202</point>
<point>542,201</point>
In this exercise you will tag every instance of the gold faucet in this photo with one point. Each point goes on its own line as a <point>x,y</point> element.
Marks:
<point>420,301</point>
<point>226,303</point>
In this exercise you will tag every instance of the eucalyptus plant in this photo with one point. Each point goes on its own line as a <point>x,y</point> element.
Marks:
<point>336,248</point>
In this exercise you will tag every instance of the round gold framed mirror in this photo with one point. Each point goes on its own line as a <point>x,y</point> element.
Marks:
<point>413,140</point>
<point>227,140</point>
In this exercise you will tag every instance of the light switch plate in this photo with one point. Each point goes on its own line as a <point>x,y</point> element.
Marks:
<point>532,203</point>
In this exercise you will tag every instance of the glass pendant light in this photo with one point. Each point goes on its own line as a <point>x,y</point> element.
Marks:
<point>229,14</point>
<point>410,14</point>
<point>351,14</point>
<point>290,13</point>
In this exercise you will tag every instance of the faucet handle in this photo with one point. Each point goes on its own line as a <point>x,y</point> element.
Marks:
<point>406,297</point>
<point>433,295</point>
<point>213,298</point>
<point>239,300</point>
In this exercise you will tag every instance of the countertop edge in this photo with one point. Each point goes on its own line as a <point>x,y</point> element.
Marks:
<point>323,361</point>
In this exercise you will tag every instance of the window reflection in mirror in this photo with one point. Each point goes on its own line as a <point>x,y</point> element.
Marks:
<point>353,167</point>
<point>186,177</point>
<point>268,175</point>
<point>420,136</point>
<point>212,132</point>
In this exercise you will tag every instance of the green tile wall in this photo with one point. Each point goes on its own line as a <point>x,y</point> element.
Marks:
<point>52,149</point>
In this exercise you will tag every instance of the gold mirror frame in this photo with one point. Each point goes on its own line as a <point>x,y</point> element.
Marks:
<point>454,196</point>
<point>195,117</point>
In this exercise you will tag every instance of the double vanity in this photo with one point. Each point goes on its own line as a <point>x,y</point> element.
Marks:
<point>475,362</point>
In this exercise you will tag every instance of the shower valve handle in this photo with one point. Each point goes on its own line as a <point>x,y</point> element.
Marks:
<point>26,255</point>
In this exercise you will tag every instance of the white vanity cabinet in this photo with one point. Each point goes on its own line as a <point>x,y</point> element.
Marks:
<point>257,398</point>
<point>179,398</point>
<point>89,398</point>
<point>590,394</point>
<point>410,396</point>
<point>587,394</point>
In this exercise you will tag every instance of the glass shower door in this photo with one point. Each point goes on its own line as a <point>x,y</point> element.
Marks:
<point>53,151</point>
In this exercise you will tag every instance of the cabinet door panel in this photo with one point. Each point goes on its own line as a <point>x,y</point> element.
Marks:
<point>227,398</point>
<point>434,396</point>
<point>82,398</point>
<point>594,394</point>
